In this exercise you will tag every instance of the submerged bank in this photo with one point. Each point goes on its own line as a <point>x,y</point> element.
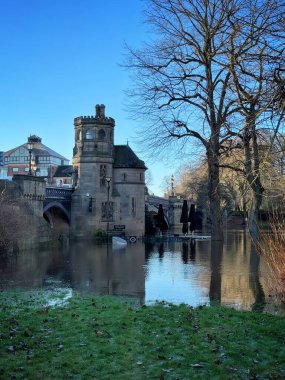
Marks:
<point>106,337</point>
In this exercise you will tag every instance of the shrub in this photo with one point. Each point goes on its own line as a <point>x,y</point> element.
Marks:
<point>271,245</point>
<point>100,234</point>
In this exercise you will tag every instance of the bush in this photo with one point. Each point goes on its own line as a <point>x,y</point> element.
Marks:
<point>271,245</point>
<point>100,234</point>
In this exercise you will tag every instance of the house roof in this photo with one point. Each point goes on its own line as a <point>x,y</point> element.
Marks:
<point>38,149</point>
<point>124,157</point>
<point>64,171</point>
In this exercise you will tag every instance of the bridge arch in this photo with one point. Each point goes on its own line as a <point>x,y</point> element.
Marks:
<point>56,205</point>
<point>58,218</point>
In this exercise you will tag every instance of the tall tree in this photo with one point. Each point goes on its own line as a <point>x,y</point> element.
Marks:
<point>204,76</point>
<point>256,46</point>
<point>182,84</point>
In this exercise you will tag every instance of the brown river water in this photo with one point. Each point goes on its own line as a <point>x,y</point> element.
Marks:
<point>172,271</point>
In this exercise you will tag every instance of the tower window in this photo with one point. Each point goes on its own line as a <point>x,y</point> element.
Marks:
<point>141,177</point>
<point>124,176</point>
<point>102,175</point>
<point>101,135</point>
<point>89,134</point>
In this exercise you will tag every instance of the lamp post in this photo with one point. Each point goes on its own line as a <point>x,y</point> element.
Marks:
<point>30,147</point>
<point>90,204</point>
<point>108,180</point>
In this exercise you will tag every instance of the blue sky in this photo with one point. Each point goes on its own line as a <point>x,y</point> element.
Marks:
<point>58,59</point>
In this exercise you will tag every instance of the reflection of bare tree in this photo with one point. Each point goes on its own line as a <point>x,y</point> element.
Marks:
<point>216,275</point>
<point>254,282</point>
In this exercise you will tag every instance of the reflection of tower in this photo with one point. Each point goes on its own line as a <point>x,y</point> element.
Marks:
<point>93,160</point>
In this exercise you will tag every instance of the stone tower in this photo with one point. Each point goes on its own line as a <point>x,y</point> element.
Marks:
<point>93,162</point>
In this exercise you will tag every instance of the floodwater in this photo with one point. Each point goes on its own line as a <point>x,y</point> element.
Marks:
<point>176,272</point>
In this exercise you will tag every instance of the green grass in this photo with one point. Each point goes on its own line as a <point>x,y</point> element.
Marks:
<point>113,338</point>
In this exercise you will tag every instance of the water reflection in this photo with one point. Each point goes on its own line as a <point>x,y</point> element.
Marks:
<point>215,293</point>
<point>254,282</point>
<point>190,272</point>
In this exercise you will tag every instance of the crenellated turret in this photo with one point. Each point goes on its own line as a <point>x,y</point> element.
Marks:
<point>94,136</point>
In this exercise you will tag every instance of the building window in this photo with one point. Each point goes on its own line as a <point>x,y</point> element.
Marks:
<point>15,170</point>
<point>141,177</point>
<point>26,169</point>
<point>107,211</point>
<point>133,206</point>
<point>102,175</point>
<point>101,135</point>
<point>124,176</point>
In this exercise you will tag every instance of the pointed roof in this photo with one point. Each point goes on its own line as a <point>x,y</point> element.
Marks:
<point>124,157</point>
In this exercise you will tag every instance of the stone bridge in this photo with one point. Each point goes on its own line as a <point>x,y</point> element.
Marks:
<point>57,208</point>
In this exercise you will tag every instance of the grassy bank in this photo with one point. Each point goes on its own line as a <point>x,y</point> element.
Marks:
<point>113,338</point>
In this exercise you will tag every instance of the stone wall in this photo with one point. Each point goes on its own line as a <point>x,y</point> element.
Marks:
<point>26,194</point>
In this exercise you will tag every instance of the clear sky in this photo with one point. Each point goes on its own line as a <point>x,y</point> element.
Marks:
<point>59,58</point>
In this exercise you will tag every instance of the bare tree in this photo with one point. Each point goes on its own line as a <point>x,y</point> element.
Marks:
<point>255,50</point>
<point>182,84</point>
<point>204,77</point>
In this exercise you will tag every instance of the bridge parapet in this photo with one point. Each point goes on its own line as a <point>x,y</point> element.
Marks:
<point>58,193</point>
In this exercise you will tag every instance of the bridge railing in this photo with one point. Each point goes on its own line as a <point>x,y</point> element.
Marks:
<point>58,193</point>
<point>155,201</point>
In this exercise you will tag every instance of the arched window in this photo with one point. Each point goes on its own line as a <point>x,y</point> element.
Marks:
<point>101,135</point>
<point>89,134</point>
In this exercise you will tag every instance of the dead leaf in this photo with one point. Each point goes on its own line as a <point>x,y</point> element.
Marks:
<point>60,347</point>
<point>10,349</point>
<point>196,365</point>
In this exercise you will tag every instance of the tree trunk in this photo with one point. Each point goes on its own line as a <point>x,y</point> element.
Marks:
<point>214,192</point>
<point>252,168</point>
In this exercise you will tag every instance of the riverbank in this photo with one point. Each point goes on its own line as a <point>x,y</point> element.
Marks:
<point>114,338</point>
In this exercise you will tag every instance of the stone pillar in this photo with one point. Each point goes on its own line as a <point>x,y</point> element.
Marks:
<point>175,208</point>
